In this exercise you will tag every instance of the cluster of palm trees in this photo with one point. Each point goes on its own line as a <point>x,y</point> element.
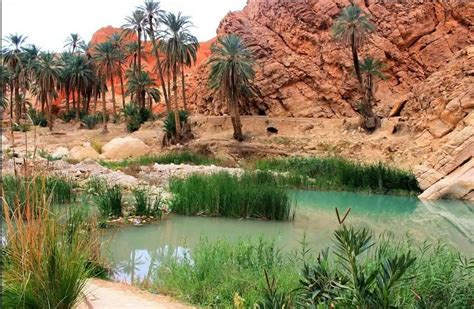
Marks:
<point>86,72</point>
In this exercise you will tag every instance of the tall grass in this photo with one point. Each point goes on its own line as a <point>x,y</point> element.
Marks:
<point>251,195</point>
<point>46,260</point>
<point>145,204</point>
<point>176,157</point>
<point>387,274</point>
<point>339,174</point>
<point>108,198</point>
<point>19,190</point>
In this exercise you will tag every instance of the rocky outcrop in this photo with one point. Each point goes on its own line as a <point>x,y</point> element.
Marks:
<point>122,148</point>
<point>449,173</point>
<point>302,71</point>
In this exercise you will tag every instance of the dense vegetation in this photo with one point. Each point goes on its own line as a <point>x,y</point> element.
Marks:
<point>251,195</point>
<point>336,173</point>
<point>354,273</point>
<point>47,257</point>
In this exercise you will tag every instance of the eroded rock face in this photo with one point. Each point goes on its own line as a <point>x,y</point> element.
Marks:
<point>449,172</point>
<point>302,71</point>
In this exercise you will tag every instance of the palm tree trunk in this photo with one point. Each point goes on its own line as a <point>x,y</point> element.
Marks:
<point>355,58</point>
<point>113,92</point>
<point>73,99</point>
<point>169,85</point>
<point>160,68</point>
<point>11,100</point>
<point>104,111</point>
<point>78,112</point>
<point>183,86</point>
<point>96,95</point>
<point>235,116</point>
<point>139,92</point>
<point>67,100</point>
<point>17,101</point>
<point>175,92</point>
<point>122,89</point>
<point>50,113</point>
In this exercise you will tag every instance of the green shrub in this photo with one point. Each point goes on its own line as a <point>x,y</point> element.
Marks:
<point>37,118</point>
<point>68,116</point>
<point>340,174</point>
<point>133,117</point>
<point>252,195</point>
<point>90,121</point>
<point>145,204</point>
<point>170,123</point>
<point>145,115</point>
<point>21,127</point>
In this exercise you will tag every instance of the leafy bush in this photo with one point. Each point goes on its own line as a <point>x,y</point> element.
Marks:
<point>252,195</point>
<point>170,123</point>
<point>37,118</point>
<point>340,174</point>
<point>90,121</point>
<point>136,116</point>
<point>22,127</point>
<point>145,204</point>
<point>68,116</point>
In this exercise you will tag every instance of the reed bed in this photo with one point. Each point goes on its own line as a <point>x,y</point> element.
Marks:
<point>251,195</point>
<point>19,190</point>
<point>336,173</point>
<point>176,157</point>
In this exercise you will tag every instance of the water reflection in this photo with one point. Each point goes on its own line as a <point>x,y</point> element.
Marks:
<point>137,251</point>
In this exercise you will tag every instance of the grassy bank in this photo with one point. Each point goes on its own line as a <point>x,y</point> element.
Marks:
<point>252,195</point>
<point>356,273</point>
<point>178,157</point>
<point>334,173</point>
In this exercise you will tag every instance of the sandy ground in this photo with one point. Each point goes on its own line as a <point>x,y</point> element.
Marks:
<point>296,136</point>
<point>104,294</point>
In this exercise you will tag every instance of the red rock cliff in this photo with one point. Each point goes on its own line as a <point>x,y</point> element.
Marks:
<point>302,71</point>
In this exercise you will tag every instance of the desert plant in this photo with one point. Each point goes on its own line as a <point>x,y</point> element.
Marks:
<point>20,127</point>
<point>251,195</point>
<point>170,123</point>
<point>90,121</point>
<point>108,198</point>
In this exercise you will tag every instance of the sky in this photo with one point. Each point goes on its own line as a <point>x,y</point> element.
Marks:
<point>47,23</point>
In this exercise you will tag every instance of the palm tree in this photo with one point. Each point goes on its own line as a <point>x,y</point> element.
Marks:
<point>143,81</point>
<point>105,58</point>
<point>371,68</point>
<point>352,27</point>
<point>81,78</point>
<point>153,14</point>
<point>12,59</point>
<point>47,78</point>
<point>117,40</point>
<point>5,77</point>
<point>65,75</point>
<point>175,35</point>
<point>188,57</point>
<point>135,24</point>
<point>73,41</point>
<point>231,73</point>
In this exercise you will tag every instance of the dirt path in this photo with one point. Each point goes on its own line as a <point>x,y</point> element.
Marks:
<point>105,294</point>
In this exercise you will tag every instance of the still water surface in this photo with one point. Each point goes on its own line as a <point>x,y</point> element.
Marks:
<point>132,250</point>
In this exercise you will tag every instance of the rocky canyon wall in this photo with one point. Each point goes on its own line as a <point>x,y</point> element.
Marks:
<point>301,70</point>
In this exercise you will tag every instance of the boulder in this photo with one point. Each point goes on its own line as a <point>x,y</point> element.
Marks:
<point>124,147</point>
<point>81,153</point>
<point>60,152</point>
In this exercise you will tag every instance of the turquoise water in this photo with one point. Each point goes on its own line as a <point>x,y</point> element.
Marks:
<point>132,250</point>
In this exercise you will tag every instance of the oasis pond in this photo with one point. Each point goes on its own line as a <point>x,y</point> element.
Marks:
<point>136,251</point>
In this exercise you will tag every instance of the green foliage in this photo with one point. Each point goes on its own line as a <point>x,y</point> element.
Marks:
<point>37,118</point>
<point>136,116</point>
<point>69,115</point>
<point>19,191</point>
<point>339,174</point>
<point>214,272</point>
<point>20,127</point>
<point>170,123</point>
<point>108,198</point>
<point>46,155</point>
<point>251,195</point>
<point>175,157</point>
<point>46,259</point>
<point>145,204</point>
